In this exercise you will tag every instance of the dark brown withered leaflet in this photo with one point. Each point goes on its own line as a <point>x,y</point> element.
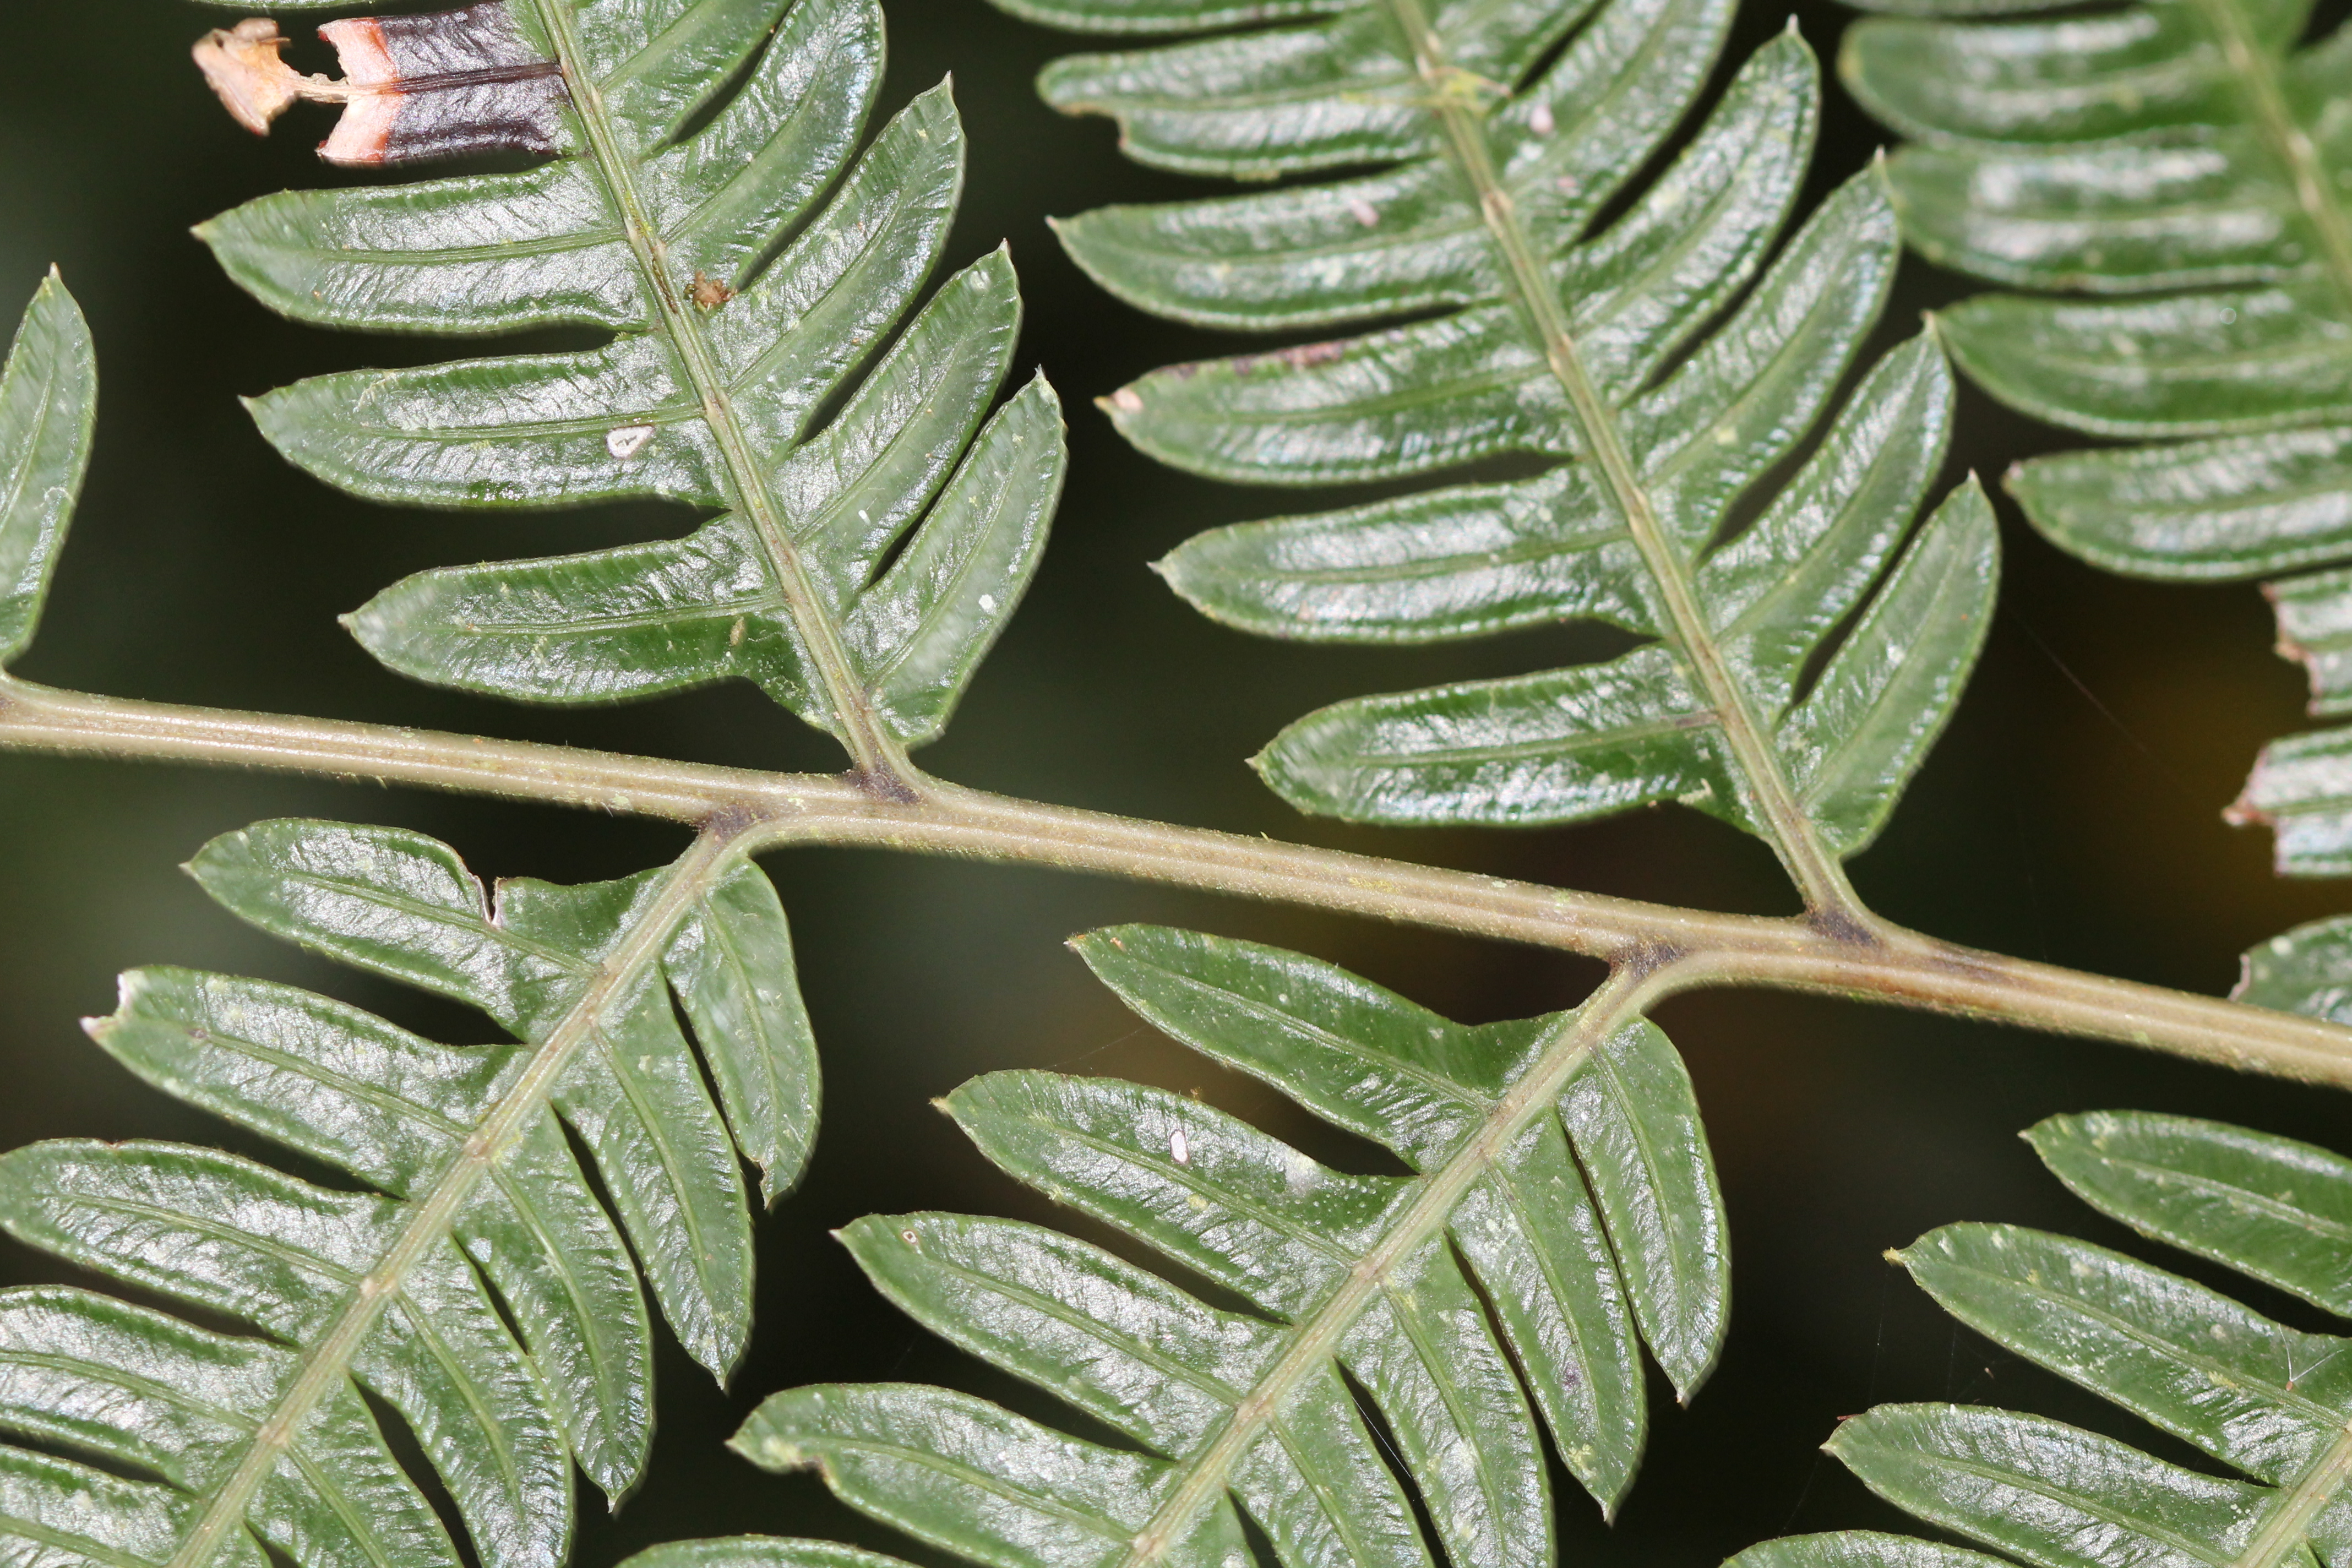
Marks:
<point>414,87</point>
<point>442,84</point>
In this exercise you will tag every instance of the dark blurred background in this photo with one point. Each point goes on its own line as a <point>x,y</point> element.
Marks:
<point>2070,814</point>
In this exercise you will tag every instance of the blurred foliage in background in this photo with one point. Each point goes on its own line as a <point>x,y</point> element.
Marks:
<point>2071,813</point>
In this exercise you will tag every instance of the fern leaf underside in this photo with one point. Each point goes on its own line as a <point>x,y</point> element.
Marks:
<point>1560,1174</point>
<point>1662,364</point>
<point>2173,180</point>
<point>475,1283</point>
<point>876,533</point>
<point>474,1280</point>
<point>2271,1403</point>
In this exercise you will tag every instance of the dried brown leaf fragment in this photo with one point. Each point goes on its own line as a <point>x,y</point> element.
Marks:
<point>417,86</point>
<point>243,66</point>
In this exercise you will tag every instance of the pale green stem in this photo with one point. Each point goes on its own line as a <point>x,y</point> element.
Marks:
<point>1315,1338</point>
<point>1819,874</point>
<point>2288,1519</point>
<point>765,811</point>
<point>880,759</point>
<point>2257,71</point>
<point>429,1218</point>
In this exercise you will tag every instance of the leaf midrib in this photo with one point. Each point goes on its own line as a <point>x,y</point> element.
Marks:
<point>1820,879</point>
<point>1545,746</point>
<point>344,1083</point>
<point>2174,1350</point>
<point>1317,1334</point>
<point>137,1382</point>
<point>1326,1038</point>
<point>2287,1519</point>
<point>354,1518</point>
<point>1281,1224</point>
<point>876,754</point>
<point>432,1219</point>
<point>630,620</point>
<point>2237,1195</point>
<point>1166,1363</point>
<point>1443,566</point>
<point>2257,71</point>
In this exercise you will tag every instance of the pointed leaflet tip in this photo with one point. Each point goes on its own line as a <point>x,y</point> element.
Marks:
<point>48,407</point>
<point>1045,390</point>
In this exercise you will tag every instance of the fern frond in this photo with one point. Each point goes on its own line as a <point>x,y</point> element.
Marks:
<point>474,1212</point>
<point>2180,163</point>
<point>472,1279</point>
<point>1562,1202</point>
<point>2270,1402</point>
<point>1648,360</point>
<point>710,392</point>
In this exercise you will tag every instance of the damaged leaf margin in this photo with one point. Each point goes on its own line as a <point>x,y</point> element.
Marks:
<point>440,85</point>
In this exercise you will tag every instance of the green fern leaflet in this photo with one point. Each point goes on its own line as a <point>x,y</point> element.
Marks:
<point>475,1282</point>
<point>1659,365</point>
<point>2173,179</point>
<point>869,552</point>
<point>474,1213</point>
<point>1560,1173</point>
<point>2270,1403</point>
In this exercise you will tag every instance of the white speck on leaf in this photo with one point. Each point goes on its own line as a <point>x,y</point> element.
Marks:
<point>1364,213</point>
<point>1178,1148</point>
<point>628,440</point>
<point>1540,122</point>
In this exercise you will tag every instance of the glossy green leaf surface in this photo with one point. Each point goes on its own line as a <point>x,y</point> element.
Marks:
<point>404,906</point>
<point>49,400</point>
<point>1859,1549</point>
<point>711,210</point>
<point>2306,970</point>
<point>2046,1492</point>
<point>1656,366</point>
<point>474,1279</point>
<point>2274,1208</point>
<point>1579,1223</point>
<point>2165,178</point>
<point>2301,789</point>
<point>2268,1401</point>
<point>756,1551</point>
<point>1599,737</point>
